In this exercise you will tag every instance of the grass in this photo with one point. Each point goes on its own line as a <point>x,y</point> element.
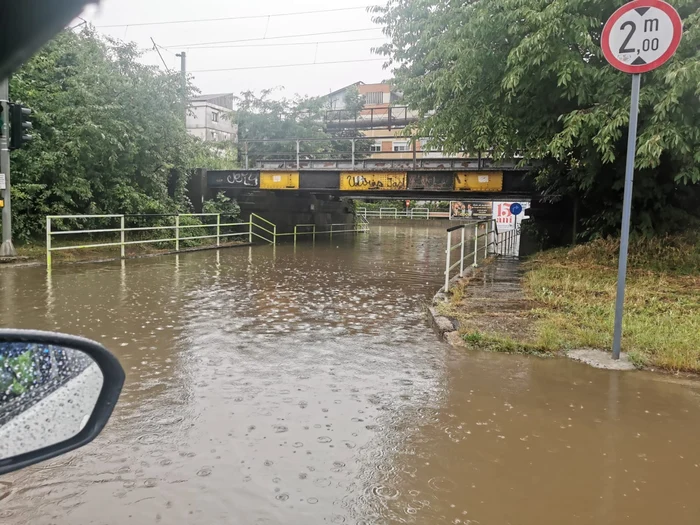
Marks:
<point>568,300</point>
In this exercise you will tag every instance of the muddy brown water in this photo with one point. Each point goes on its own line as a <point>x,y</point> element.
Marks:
<point>301,387</point>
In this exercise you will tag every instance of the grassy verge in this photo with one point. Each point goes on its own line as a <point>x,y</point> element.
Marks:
<point>568,298</point>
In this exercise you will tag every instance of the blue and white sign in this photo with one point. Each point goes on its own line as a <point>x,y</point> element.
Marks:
<point>516,208</point>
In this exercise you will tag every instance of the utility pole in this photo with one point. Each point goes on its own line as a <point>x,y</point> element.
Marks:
<point>7,249</point>
<point>183,71</point>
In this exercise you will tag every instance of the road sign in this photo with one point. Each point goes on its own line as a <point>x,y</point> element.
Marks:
<point>516,208</point>
<point>641,35</point>
<point>638,37</point>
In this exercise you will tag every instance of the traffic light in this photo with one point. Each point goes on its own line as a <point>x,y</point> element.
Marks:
<point>20,126</point>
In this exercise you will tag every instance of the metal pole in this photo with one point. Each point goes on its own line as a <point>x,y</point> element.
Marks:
<point>353,154</point>
<point>295,236</point>
<point>218,229</point>
<point>183,71</point>
<point>297,154</point>
<point>177,233</point>
<point>48,242</point>
<point>250,229</point>
<point>447,264</point>
<point>626,216</point>
<point>245,153</point>
<point>461,258</point>
<point>7,249</point>
<point>476,245</point>
<point>274,235</point>
<point>121,246</point>
<point>510,242</point>
<point>486,242</point>
<point>414,153</point>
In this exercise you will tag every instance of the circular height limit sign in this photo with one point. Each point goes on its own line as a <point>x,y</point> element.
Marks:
<point>641,35</point>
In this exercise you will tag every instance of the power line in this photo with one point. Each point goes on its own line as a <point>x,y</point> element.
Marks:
<point>194,45</point>
<point>286,65</point>
<point>155,46</point>
<point>247,17</point>
<point>291,43</point>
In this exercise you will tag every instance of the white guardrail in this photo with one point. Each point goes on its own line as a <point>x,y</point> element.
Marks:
<point>503,243</point>
<point>395,213</point>
<point>256,226</point>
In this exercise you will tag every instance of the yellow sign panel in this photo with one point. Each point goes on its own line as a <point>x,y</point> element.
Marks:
<point>372,181</point>
<point>479,181</point>
<point>279,180</point>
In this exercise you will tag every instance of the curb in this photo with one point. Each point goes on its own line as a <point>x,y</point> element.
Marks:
<point>446,329</point>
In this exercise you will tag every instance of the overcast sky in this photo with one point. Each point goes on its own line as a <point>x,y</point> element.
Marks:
<point>262,47</point>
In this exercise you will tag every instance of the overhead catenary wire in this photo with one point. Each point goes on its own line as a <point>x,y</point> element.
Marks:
<point>275,66</point>
<point>227,18</point>
<point>287,44</point>
<point>195,45</point>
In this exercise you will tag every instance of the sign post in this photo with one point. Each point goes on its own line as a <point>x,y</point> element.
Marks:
<point>639,37</point>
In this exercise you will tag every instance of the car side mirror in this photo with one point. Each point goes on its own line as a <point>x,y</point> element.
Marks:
<point>57,393</point>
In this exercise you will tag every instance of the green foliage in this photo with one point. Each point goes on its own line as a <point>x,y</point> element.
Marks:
<point>354,101</point>
<point>214,156</point>
<point>263,117</point>
<point>224,205</point>
<point>528,76</point>
<point>574,297</point>
<point>108,134</point>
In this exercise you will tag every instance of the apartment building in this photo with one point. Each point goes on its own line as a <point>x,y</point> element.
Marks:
<point>209,118</point>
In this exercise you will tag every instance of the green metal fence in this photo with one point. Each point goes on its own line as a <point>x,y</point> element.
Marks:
<point>177,233</point>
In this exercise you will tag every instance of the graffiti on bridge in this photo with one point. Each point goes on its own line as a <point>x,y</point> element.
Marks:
<point>233,179</point>
<point>244,179</point>
<point>368,181</point>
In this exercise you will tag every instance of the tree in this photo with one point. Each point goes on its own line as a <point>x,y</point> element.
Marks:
<point>108,134</point>
<point>528,76</point>
<point>354,101</point>
<point>282,121</point>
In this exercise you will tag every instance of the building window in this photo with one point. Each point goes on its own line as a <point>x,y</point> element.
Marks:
<point>400,146</point>
<point>375,148</point>
<point>214,136</point>
<point>214,116</point>
<point>374,98</point>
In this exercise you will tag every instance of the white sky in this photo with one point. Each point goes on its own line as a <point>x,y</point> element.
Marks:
<point>307,80</point>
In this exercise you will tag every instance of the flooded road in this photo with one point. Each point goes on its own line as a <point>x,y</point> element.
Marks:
<point>273,386</point>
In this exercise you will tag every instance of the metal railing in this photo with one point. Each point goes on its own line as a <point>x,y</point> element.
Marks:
<point>504,243</point>
<point>255,227</point>
<point>370,118</point>
<point>358,153</point>
<point>175,237</point>
<point>361,226</point>
<point>395,213</point>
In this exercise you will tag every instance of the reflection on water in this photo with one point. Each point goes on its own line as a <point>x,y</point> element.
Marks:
<point>274,385</point>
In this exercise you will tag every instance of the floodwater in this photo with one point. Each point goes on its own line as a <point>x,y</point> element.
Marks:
<point>273,386</point>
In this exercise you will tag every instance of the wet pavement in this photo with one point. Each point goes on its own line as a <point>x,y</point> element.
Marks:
<point>268,385</point>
